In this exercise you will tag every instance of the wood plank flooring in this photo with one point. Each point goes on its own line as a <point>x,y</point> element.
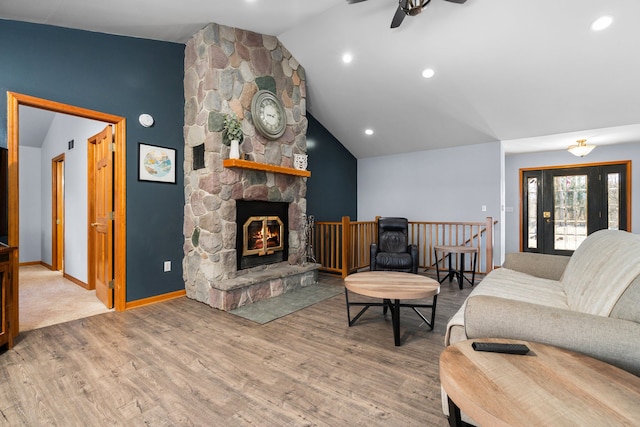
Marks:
<point>182,363</point>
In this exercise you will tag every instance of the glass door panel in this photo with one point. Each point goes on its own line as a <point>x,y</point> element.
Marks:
<point>613,201</point>
<point>532,213</point>
<point>569,211</point>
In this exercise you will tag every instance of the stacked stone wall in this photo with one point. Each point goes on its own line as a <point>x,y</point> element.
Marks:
<point>224,68</point>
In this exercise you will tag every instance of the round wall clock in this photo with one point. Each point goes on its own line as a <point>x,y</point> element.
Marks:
<point>268,114</point>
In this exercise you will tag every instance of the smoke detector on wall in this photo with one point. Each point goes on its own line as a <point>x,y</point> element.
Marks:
<point>146,120</point>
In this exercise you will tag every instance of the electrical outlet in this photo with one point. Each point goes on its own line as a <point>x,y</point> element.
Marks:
<point>484,208</point>
<point>167,266</point>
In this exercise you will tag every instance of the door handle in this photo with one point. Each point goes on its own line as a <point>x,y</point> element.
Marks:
<point>95,224</point>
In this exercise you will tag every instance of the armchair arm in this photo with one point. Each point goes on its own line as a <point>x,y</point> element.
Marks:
<point>372,261</point>
<point>608,339</point>
<point>413,250</point>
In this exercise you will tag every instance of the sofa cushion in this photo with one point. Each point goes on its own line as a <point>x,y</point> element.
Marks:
<point>600,270</point>
<point>514,285</point>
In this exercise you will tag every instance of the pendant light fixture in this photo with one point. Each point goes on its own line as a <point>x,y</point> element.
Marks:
<point>581,149</point>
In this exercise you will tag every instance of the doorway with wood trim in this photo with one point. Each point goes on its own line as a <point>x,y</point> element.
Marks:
<point>119,195</point>
<point>562,205</point>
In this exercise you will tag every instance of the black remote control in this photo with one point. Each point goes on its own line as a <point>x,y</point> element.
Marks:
<point>500,347</point>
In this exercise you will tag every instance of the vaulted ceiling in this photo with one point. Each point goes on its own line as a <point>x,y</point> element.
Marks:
<point>532,73</point>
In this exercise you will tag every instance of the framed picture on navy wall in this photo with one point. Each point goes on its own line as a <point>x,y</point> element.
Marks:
<point>157,164</point>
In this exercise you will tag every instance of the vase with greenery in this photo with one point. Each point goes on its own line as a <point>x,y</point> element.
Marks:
<point>232,135</point>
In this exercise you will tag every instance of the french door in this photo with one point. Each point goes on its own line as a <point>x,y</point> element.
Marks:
<point>562,206</point>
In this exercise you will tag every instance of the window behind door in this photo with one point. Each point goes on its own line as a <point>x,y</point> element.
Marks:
<point>561,206</point>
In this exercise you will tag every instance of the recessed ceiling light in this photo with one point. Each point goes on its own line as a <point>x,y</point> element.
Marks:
<point>368,131</point>
<point>427,73</point>
<point>601,23</point>
<point>347,58</point>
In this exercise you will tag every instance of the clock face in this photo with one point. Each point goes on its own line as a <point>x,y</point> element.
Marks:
<point>268,114</point>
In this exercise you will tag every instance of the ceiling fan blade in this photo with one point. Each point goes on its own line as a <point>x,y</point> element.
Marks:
<point>357,1</point>
<point>400,14</point>
<point>457,1</point>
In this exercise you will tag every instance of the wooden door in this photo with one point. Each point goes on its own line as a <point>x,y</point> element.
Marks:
<point>101,215</point>
<point>57,212</point>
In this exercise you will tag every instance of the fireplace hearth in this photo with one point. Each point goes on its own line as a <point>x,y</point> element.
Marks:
<point>262,233</point>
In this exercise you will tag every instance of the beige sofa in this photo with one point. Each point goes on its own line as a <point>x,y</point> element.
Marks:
<point>588,303</point>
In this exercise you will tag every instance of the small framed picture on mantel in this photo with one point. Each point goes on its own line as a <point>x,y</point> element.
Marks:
<point>156,164</point>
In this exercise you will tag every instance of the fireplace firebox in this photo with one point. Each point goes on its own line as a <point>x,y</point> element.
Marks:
<point>262,233</point>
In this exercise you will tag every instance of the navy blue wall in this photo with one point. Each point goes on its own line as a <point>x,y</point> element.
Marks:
<point>126,77</point>
<point>333,187</point>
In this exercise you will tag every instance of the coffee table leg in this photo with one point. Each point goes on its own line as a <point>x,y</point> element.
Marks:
<point>455,420</point>
<point>395,320</point>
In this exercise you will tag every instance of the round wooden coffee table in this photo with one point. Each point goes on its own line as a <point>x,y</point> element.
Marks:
<point>392,287</point>
<point>548,386</point>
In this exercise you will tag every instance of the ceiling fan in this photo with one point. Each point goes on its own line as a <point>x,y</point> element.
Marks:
<point>407,7</point>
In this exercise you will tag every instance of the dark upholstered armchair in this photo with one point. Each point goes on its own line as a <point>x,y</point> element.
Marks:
<point>393,252</point>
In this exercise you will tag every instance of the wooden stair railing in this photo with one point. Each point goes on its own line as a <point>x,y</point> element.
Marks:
<point>343,247</point>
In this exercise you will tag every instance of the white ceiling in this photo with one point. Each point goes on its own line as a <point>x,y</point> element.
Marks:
<point>506,70</point>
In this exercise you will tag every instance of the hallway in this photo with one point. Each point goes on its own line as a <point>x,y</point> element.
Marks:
<point>47,298</point>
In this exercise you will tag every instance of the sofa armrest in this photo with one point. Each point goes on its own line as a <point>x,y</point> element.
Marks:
<point>611,340</point>
<point>539,265</point>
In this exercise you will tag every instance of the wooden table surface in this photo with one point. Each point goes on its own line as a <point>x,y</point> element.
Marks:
<point>456,249</point>
<point>392,285</point>
<point>547,387</point>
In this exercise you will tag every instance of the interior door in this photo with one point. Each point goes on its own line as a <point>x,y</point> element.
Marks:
<point>562,206</point>
<point>101,215</point>
<point>57,212</point>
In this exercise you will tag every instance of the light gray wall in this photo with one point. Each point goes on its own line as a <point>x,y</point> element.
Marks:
<point>515,162</point>
<point>437,185</point>
<point>30,204</point>
<point>63,129</point>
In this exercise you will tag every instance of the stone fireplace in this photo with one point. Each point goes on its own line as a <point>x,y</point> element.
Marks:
<point>224,68</point>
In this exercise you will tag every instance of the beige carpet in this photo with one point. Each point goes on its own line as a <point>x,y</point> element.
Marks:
<point>47,298</point>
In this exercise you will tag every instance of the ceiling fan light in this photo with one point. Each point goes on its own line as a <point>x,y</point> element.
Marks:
<point>581,149</point>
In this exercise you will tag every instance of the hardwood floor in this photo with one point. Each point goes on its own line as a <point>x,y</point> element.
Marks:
<point>182,363</point>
